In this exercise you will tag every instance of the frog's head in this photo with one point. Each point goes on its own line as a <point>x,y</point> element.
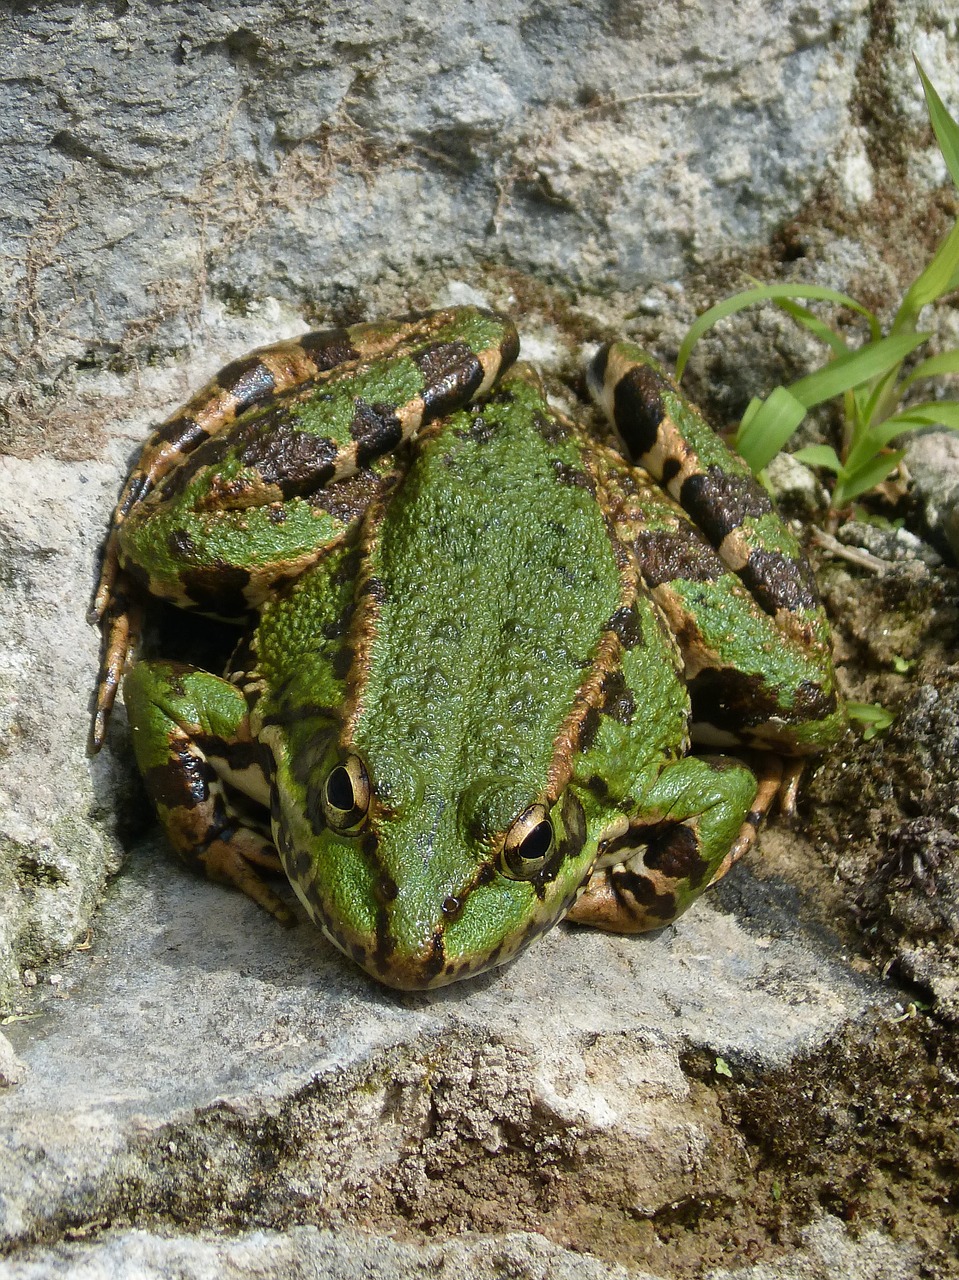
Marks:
<point>421,883</point>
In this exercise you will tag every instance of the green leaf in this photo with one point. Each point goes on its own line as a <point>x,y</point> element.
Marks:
<point>765,293</point>
<point>722,1068</point>
<point>819,455</point>
<point>853,483</point>
<point>856,367</point>
<point>943,413</point>
<point>873,717</point>
<point>818,328</point>
<point>751,409</point>
<point>769,428</point>
<point>934,367</point>
<point>940,277</point>
<point>944,126</point>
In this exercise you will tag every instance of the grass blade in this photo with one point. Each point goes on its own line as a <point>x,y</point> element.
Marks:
<point>855,368</point>
<point>818,328</point>
<point>944,126</point>
<point>819,455</point>
<point>853,483</point>
<point>931,413</point>
<point>934,367</point>
<point>765,293</point>
<point>769,428</point>
<point>940,277</point>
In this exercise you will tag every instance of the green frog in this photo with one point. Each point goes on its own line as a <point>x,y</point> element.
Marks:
<point>480,641</point>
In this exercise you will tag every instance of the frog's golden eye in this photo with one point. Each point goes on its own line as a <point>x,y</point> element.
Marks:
<point>528,845</point>
<point>346,795</point>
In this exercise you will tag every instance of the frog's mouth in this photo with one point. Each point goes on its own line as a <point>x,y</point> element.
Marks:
<point>419,908</point>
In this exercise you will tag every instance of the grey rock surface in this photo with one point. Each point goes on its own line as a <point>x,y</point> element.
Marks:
<point>305,1253</point>
<point>933,463</point>
<point>194,1014</point>
<point>161,154</point>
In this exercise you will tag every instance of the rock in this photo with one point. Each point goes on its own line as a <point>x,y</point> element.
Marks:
<point>933,462</point>
<point>200,1063</point>
<point>12,1070</point>
<point>305,1253</point>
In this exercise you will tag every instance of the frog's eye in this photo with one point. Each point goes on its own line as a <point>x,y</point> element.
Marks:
<point>346,795</point>
<point>528,845</point>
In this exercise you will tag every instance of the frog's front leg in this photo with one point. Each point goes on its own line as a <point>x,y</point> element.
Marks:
<point>191,736</point>
<point>695,821</point>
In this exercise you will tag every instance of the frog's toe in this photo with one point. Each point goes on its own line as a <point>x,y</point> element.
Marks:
<point>231,858</point>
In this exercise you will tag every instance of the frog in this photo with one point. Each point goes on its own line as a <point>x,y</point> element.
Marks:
<point>498,665</point>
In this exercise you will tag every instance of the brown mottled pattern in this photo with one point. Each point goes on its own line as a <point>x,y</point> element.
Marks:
<point>297,462</point>
<point>451,373</point>
<point>719,502</point>
<point>780,582</point>
<point>665,555</point>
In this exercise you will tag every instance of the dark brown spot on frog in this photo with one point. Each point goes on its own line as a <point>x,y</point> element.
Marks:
<point>328,348</point>
<point>618,701</point>
<point>779,582</point>
<point>435,961</point>
<point>348,569</point>
<point>575,477</point>
<point>588,729</point>
<point>207,454</point>
<point>739,701</point>
<point>248,381</point>
<point>342,662</point>
<point>638,409</point>
<point>387,888</point>
<point>340,624</point>
<point>297,462</point>
<point>385,942</point>
<point>375,428</point>
<point>598,365</point>
<point>481,430</point>
<point>451,373</point>
<point>676,854</point>
<point>597,786</point>
<point>181,546</point>
<point>183,782</point>
<point>671,469</point>
<point>313,798</point>
<point>182,431</point>
<point>720,501</point>
<point>677,554</point>
<point>276,513</point>
<point>139,486</point>
<point>348,498</point>
<point>626,625</point>
<point>375,589</point>
<point>627,884</point>
<point>551,429</point>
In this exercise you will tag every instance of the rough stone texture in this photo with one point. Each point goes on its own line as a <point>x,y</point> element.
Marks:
<point>933,462</point>
<point>304,1253</point>
<point>200,1063</point>
<point>179,183</point>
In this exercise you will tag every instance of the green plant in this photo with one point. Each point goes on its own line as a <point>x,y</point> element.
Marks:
<point>869,378</point>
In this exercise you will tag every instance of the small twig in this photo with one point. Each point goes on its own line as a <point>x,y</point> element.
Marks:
<point>855,555</point>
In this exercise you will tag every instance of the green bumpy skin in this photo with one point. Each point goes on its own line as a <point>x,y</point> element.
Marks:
<point>483,644</point>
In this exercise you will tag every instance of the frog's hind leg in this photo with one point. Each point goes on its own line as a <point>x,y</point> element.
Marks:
<point>754,680</point>
<point>201,767</point>
<point>241,385</point>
